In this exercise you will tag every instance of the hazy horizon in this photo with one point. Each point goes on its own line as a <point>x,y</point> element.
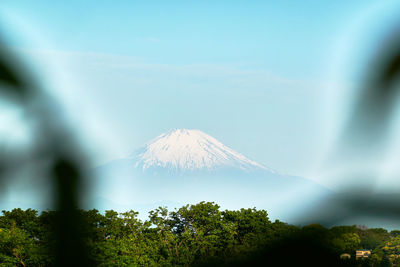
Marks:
<point>271,80</point>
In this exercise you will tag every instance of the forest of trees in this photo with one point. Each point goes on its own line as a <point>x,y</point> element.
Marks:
<point>193,235</point>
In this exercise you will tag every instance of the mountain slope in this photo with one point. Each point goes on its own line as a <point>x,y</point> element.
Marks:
<point>190,150</point>
<point>189,166</point>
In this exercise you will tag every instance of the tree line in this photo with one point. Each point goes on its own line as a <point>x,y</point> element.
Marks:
<point>193,235</point>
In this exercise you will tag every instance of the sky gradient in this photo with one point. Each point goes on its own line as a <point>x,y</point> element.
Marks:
<point>264,77</point>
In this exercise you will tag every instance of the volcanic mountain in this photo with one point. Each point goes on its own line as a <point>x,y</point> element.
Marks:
<point>188,166</point>
<point>190,150</point>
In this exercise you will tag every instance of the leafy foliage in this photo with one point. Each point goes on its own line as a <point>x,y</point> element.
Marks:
<point>199,234</point>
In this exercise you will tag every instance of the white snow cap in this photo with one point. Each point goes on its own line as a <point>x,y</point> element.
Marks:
<point>182,149</point>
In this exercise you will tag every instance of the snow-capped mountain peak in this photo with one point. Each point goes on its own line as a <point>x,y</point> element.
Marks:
<point>190,150</point>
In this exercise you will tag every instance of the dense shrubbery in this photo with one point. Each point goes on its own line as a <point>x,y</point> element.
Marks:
<point>198,234</point>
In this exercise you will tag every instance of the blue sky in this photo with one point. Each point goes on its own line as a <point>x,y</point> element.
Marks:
<point>263,77</point>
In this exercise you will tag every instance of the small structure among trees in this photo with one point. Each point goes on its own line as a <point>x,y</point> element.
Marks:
<point>345,256</point>
<point>362,253</point>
